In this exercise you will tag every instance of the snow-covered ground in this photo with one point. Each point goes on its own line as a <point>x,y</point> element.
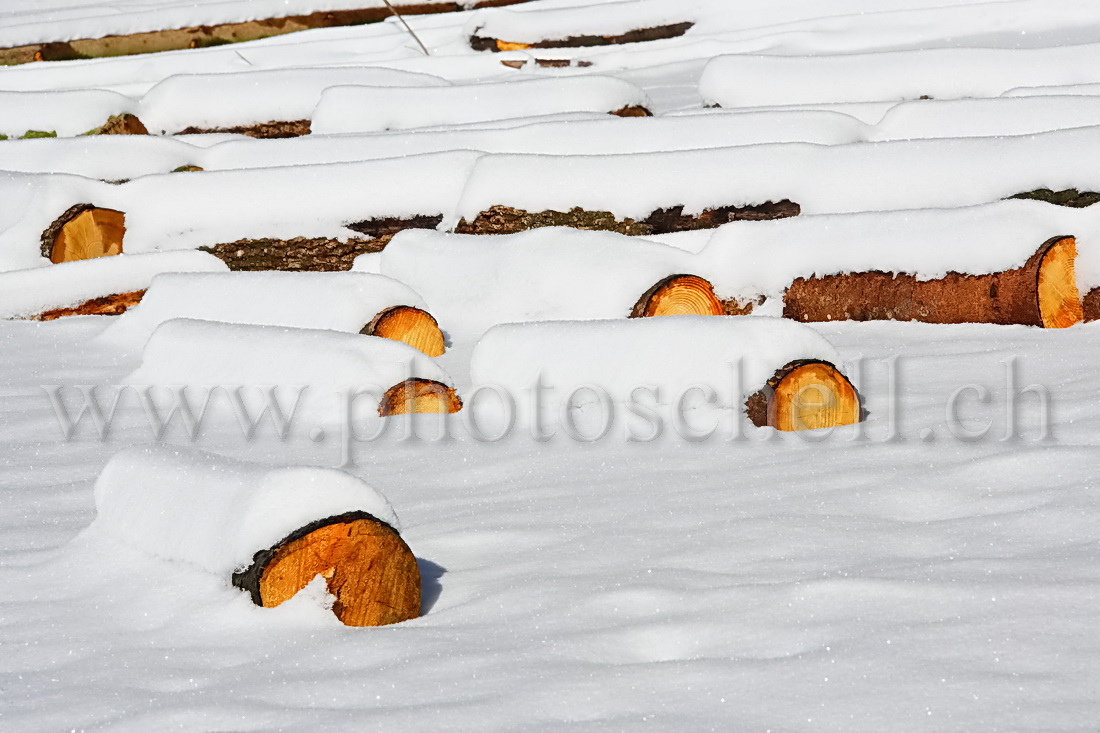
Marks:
<point>934,568</point>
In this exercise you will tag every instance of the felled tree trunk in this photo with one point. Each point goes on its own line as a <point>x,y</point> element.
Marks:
<point>674,30</point>
<point>1043,292</point>
<point>366,565</point>
<point>419,395</point>
<point>83,233</point>
<point>263,130</point>
<point>108,305</point>
<point>805,395</point>
<point>508,220</point>
<point>679,295</point>
<point>409,325</point>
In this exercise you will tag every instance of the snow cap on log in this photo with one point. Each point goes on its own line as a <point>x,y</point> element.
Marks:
<point>472,283</point>
<point>337,301</point>
<point>345,109</point>
<point>28,293</point>
<point>672,353</point>
<point>67,113</point>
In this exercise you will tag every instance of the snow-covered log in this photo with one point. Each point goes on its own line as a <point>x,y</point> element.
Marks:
<point>781,373</point>
<point>345,109</point>
<point>270,531</point>
<point>106,286</point>
<point>337,301</point>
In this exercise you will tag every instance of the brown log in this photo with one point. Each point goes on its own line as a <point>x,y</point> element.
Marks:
<point>419,395</point>
<point>124,124</point>
<point>1090,305</point>
<point>366,565</point>
<point>409,325</point>
<point>546,63</point>
<point>632,110</point>
<point>805,395</point>
<point>508,220</point>
<point>83,233</point>
<point>301,254</point>
<point>1070,197</point>
<point>679,295</point>
<point>261,130</point>
<point>218,34</point>
<point>674,30</point>
<point>108,305</point>
<point>1043,292</point>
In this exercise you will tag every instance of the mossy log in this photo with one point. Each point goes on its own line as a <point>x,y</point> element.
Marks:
<point>656,33</point>
<point>679,295</point>
<point>84,232</point>
<point>124,124</point>
<point>805,395</point>
<point>262,130</point>
<point>419,395</point>
<point>108,305</point>
<point>409,325</point>
<point>367,567</point>
<point>508,220</point>
<point>219,34</point>
<point>1043,292</point>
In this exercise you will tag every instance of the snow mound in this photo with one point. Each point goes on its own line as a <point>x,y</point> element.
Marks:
<point>25,293</point>
<point>337,301</point>
<point>67,113</point>
<point>669,354</point>
<point>603,19</point>
<point>225,100</point>
<point>367,109</point>
<point>473,282</point>
<point>215,513</point>
<point>944,73</point>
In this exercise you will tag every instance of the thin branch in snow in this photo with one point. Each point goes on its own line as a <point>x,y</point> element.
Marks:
<point>407,27</point>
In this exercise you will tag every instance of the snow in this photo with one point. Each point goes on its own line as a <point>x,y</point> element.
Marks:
<point>603,19</point>
<point>25,293</point>
<point>471,282</point>
<point>364,108</point>
<point>215,513</point>
<point>336,301</point>
<point>65,113</point>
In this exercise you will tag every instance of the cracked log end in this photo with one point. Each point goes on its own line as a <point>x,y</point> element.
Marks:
<point>1059,299</point>
<point>409,325</point>
<point>83,233</point>
<point>419,395</point>
<point>679,295</point>
<point>367,566</point>
<point>806,395</point>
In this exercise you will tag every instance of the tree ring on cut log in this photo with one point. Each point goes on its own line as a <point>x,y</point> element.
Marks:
<point>367,566</point>
<point>419,395</point>
<point>1059,299</point>
<point>84,232</point>
<point>409,325</point>
<point>679,295</point>
<point>806,395</point>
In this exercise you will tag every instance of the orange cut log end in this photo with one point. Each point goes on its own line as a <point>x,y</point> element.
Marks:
<point>811,395</point>
<point>1059,299</point>
<point>367,566</point>
<point>419,395</point>
<point>679,295</point>
<point>509,46</point>
<point>87,234</point>
<point>411,326</point>
<point>108,305</point>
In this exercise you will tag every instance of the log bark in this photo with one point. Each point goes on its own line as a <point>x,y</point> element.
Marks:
<point>547,63</point>
<point>805,395</point>
<point>633,110</point>
<point>679,295</point>
<point>218,34</point>
<point>419,395</point>
<point>1070,197</point>
<point>366,565</point>
<point>108,305</point>
<point>84,232</point>
<point>301,254</point>
<point>1090,305</point>
<point>261,130</point>
<point>409,325</point>
<point>656,33</point>
<point>508,220</point>
<point>1043,292</point>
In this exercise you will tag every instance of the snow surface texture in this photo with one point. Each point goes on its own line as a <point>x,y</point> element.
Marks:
<point>146,498</point>
<point>472,283</point>
<point>337,301</point>
<point>30,292</point>
<point>369,109</point>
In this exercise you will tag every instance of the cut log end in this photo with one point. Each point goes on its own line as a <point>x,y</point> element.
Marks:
<point>108,305</point>
<point>367,567</point>
<point>679,295</point>
<point>633,110</point>
<point>806,395</point>
<point>419,395</point>
<point>84,232</point>
<point>1059,299</point>
<point>409,325</point>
